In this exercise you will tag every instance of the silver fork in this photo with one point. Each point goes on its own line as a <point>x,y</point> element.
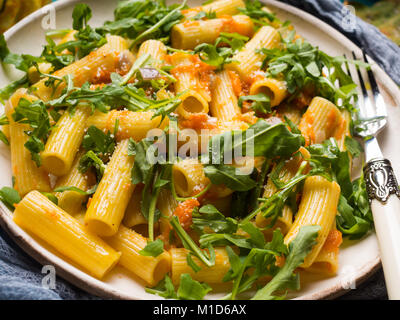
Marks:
<point>382,187</point>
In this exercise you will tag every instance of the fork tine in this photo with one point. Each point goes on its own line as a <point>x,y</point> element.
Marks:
<point>366,108</point>
<point>347,66</point>
<point>379,102</point>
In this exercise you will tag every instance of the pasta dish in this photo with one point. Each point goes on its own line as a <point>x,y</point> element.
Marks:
<point>198,148</point>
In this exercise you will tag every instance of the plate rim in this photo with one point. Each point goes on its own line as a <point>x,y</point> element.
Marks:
<point>97,287</point>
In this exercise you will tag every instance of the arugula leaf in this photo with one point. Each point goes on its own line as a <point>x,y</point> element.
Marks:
<point>261,138</point>
<point>3,138</point>
<point>51,197</point>
<point>303,65</point>
<point>229,176</point>
<point>261,103</point>
<point>75,189</point>
<point>154,175</point>
<point>253,9</point>
<point>190,289</point>
<point>54,55</point>
<point>217,55</point>
<point>99,142</point>
<point>7,91</point>
<point>353,146</point>
<point>355,216</point>
<point>285,278</point>
<point>81,15</point>
<point>327,157</point>
<point>9,197</point>
<point>164,289</point>
<point>258,262</point>
<point>35,114</point>
<point>140,19</point>
<point>203,14</point>
<point>153,248</point>
<point>209,217</point>
<point>192,264</point>
<point>22,62</point>
<point>188,243</point>
<point>90,159</point>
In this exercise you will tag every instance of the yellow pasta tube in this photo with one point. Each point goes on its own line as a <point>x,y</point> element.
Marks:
<point>247,61</point>
<point>212,275</point>
<point>189,177</point>
<point>133,214</point>
<point>130,124</point>
<point>320,121</point>
<point>273,88</point>
<point>195,96</point>
<point>220,7</point>
<point>64,141</point>
<point>38,215</point>
<point>92,68</point>
<point>156,49</point>
<point>108,205</point>
<point>167,204</point>
<point>27,175</point>
<point>72,201</point>
<point>189,34</point>
<point>343,130</point>
<point>293,114</point>
<point>224,104</point>
<point>117,43</point>
<point>129,243</point>
<point>327,261</point>
<point>317,207</point>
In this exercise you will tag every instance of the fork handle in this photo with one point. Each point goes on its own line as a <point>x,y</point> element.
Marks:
<point>383,192</point>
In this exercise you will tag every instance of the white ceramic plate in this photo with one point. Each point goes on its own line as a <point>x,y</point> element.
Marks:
<point>358,260</point>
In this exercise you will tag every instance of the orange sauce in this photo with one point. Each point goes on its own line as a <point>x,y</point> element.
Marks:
<point>184,212</point>
<point>333,241</point>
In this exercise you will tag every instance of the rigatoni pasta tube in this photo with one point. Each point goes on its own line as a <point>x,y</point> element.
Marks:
<point>212,275</point>
<point>28,176</point>
<point>129,243</point>
<point>275,89</point>
<point>167,204</point>
<point>293,114</point>
<point>41,217</point>
<point>220,7</point>
<point>108,205</point>
<point>189,177</point>
<point>327,261</point>
<point>343,130</point>
<point>156,49</point>
<point>133,213</point>
<point>189,34</point>
<point>130,124</point>
<point>72,201</point>
<point>195,96</point>
<point>224,103</point>
<point>96,65</point>
<point>64,141</point>
<point>317,207</point>
<point>320,121</point>
<point>248,60</point>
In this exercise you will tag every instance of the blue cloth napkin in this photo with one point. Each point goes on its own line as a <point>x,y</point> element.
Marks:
<point>21,276</point>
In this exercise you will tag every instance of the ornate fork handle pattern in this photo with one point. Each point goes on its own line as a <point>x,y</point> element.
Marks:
<point>380,180</point>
